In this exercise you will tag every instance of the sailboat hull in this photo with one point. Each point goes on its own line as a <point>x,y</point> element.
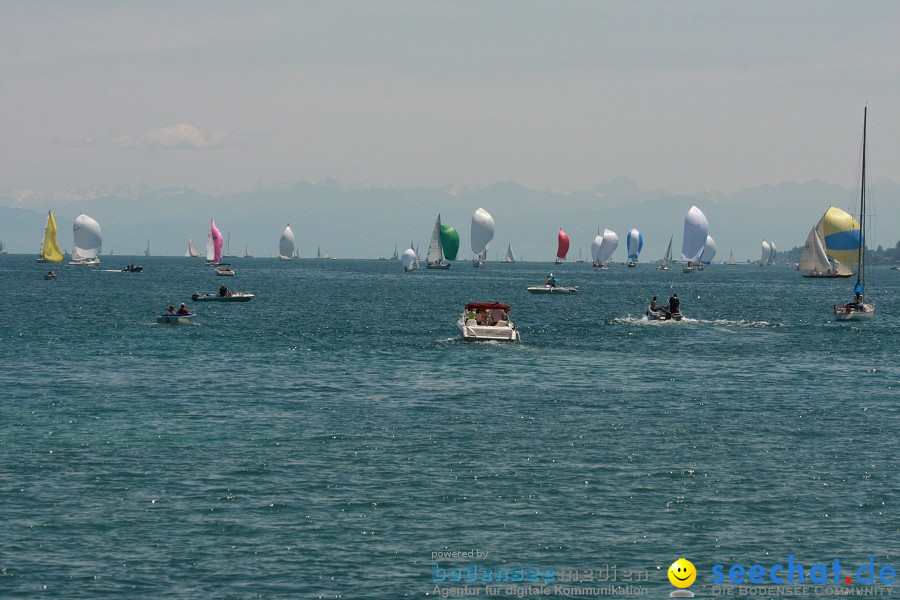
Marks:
<point>850,313</point>
<point>437,266</point>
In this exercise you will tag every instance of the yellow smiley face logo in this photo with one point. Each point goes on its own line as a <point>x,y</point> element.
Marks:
<point>682,573</point>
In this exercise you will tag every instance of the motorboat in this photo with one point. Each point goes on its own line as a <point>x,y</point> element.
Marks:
<point>176,319</point>
<point>85,262</point>
<point>487,321</point>
<point>552,289</point>
<point>661,314</point>
<point>133,269</point>
<point>50,275</point>
<point>228,297</point>
<point>225,270</point>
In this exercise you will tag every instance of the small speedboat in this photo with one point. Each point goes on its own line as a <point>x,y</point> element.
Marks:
<point>175,319</point>
<point>225,270</point>
<point>487,321</point>
<point>133,269</point>
<point>50,275</point>
<point>661,314</point>
<point>552,289</point>
<point>229,297</point>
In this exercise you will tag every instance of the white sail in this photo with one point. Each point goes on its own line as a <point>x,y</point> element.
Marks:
<point>510,257</point>
<point>247,251</point>
<point>709,250</point>
<point>395,256</point>
<point>772,251</point>
<point>595,246</point>
<point>482,231</point>
<point>696,228</point>
<point>2,247</point>
<point>210,247</point>
<point>814,258</point>
<point>88,239</point>
<point>731,260</point>
<point>408,258</point>
<point>435,253</point>
<point>147,251</point>
<point>609,243</point>
<point>286,244</point>
<point>667,259</point>
<point>766,253</point>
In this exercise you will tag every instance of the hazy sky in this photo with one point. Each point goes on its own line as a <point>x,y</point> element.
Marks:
<point>221,95</point>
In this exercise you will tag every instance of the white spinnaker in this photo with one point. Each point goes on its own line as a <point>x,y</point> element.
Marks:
<point>766,252</point>
<point>607,246</point>
<point>482,230</point>
<point>709,250</point>
<point>595,246</point>
<point>408,258</point>
<point>696,228</point>
<point>88,239</point>
<point>286,244</point>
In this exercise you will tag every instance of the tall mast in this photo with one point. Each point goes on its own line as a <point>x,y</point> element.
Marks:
<point>860,266</point>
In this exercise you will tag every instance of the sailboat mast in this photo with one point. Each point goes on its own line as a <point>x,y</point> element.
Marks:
<point>861,260</point>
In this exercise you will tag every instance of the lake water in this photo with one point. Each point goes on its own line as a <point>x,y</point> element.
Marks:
<point>324,439</point>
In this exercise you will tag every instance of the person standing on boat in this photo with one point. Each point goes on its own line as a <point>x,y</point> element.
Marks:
<point>653,306</point>
<point>674,304</point>
<point>223,291</point>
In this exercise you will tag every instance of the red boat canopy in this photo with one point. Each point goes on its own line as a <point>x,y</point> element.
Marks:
<point>486,305</point>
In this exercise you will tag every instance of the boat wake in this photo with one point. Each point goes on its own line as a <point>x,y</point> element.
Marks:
<point>687,320</point>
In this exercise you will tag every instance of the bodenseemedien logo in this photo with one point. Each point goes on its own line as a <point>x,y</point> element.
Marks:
<point>682,574</point>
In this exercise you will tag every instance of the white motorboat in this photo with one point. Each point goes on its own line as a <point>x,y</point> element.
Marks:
<point>228,297</point>
<point>175,319</point>
<point>552,289</point>
<point>487,321</point>
<point>225,270</point>
<point>661,314</point>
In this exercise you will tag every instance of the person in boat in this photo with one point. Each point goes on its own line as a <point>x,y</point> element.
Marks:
<point>52,273</point>
<point>674,304</point>
<point>551,281</point>
<point>183,310</point>
<point>653,305</point>
<point>171,310</point>
<point>223,291</point>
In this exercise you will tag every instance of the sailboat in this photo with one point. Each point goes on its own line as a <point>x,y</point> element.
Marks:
<point>696,230</point>
<point>562,246</point>
<point>395,256</point>
<point>510,257</point>
<point>286,246</point>
<point>214,244</point>
<point>319,252</point>
<point>482,234</point>
<point>146,252</point>
<point>581,260</point>
<point>227,253</point>
<point>50,251</point>
<point>731,262</point>
<point>666,263</point>
<point>444,245</point>
<point>634,241</point>
<point>855,240</point>
<point>709,251</point>
<point>247,251</point>
<point>2,247</point>
<point>408,259</point>
<point>821,262</point>
<point>609,241</point>
<point>88,241</point>
<point>192,250</point>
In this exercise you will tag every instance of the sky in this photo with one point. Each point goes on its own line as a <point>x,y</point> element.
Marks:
<point>222,96</point>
